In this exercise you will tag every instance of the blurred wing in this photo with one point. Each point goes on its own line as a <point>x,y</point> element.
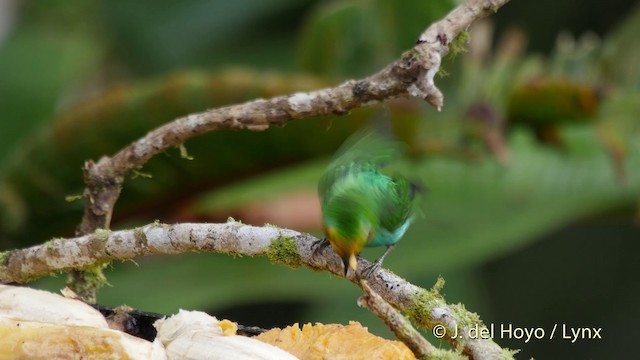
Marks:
<point>366,150</point>
<point>367,146</point>
<point>397,205</point>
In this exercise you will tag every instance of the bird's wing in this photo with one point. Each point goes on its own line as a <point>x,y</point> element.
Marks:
<point>397,204</point>
<point>362,152</point>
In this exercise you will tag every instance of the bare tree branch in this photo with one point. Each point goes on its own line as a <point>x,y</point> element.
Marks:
<point>426,308</point>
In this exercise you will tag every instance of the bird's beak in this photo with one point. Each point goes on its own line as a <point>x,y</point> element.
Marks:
<point>345,261</point>
<point>349,262</point>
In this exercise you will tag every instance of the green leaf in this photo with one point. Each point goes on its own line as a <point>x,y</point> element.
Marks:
<point>36,71</point>
<point>620,52</point>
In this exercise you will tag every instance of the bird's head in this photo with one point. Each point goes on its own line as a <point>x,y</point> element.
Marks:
<point>347,246</point>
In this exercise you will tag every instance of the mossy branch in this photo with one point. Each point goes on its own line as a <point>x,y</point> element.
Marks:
<point>400,326</point>
<point>425,307</point>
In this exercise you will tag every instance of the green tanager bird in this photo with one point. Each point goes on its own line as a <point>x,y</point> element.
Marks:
<point>361,206</point>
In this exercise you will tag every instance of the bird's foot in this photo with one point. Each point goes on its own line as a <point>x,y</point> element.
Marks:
<point>319,245</point>
<point>369,270</point>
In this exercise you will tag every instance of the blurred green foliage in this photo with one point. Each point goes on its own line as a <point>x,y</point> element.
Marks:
<point>357,37</point>
<point>81,79</point>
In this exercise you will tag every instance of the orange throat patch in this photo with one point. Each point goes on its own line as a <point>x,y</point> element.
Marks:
<point>344,248</point>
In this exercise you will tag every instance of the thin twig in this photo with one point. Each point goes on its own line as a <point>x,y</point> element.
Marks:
<point>426,308</point>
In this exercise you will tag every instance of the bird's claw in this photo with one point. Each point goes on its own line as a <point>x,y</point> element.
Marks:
<point>369,270</point>
<point>319,245</point>
<point>372,268</point>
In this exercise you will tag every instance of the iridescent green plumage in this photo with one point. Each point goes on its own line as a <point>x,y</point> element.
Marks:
<point>361,206</point>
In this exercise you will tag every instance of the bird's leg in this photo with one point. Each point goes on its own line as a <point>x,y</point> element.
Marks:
<point>378,263</point>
